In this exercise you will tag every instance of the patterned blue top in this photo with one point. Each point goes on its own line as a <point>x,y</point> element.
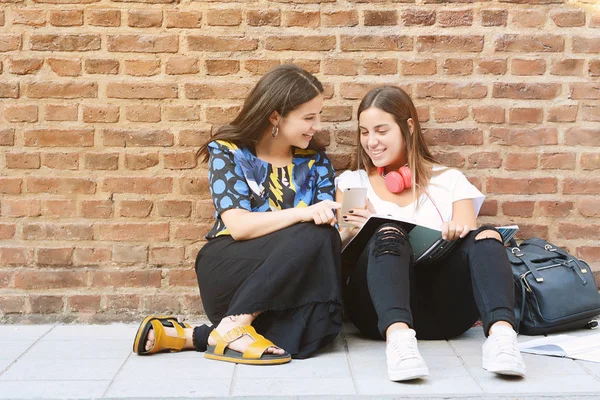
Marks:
<point>239,179</point>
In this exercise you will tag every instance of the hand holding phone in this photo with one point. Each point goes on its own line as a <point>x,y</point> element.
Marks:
<point>354,198</point>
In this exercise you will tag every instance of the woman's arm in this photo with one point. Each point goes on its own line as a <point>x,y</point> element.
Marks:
<point>463,220</point>
<point>243,224</point>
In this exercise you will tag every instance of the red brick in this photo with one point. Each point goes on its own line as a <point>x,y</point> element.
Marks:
<point>142,67</point>
<point>304,19</point>
<point>529,43</point>
<point>450,44</point>
<point>10,185</point>
<point>381,66</point>
<point>594,68</point>
<point>568,18</point>
<point>589,91</point>
<point>25,66</point>
<point>182,277</point>
<point>7,231</point>
<point>59,208</point>
<point>519,162</point>
<point>54,256</point>
<point>525,67</point>
<point>564,161</point>
<point>201,91</point>
<point>582,137</point>
<point>54,231</point>
<point>521,186</point>
<point>141,138</point>
<point>302,43</point>
<point>564,113</point>
<point>221,114</point>
<point>143,113</point>
<point>10,43</point>
<point>222,67</point>
<point>353,91</point>
<point>102,161</point>
<point>195,186</point>
<point>578,231</point>
<point>373,43</point>
<point>193,137</point>
<point>135,208</point>
<point>65,67</point>
<point>106,113</point>
<point>183,19</point>
<point>526,91</point>
<point>453,18</point>
<point>439,90</point>
<point>453,137</point>
<point>589,207</point>
<point>525,115</point>
<point>581,186</point>
<point>66,161</point>
<point>66,17</point>
<point>140,185</point>
<point>182,66</point>
<point>518,208</point>
<point>205,210</point>
<point>558,209</point>
<point>144,18</point>
<point>16,255</point>
<point>96,208</point>
<point>531,230</point>
<point>60,185</point>
<point>63,90</point>
<point>450,113</point>
<point>83,303</point>
<point>183,113</point>
<point>182,160</point>
<point>485,160</point>
<point>57,112</point>
<point>21,208</point>
<point>163,303</point>
<point>131,231</point>
<point>175,208</point>
<point>494,17</point>
<point>458,66</point>
<point>121,302</point>
<point>336,113</point>
<point>340,66</point>
<point>149,90</point>
<point>586,44</point>
<point>450,159</point>
<point>190,231</point>
<point>225,17</point>
<point>590,113</point>
<point>108,17</point>
<point>59,138</point>
<point>493,66</point>
<point>419,17</point>
<point>379,18</point>
<point>7,137</point>
<point>143,43</point>
<point>42,304</point>
<point>418,67</point>
<point>21,113</point>
<point>29,17</point>
<point>12,304</point>
<point>221,43</point>
<point>130,278</point>
<point>528,18</point>
<point>102,66</point>
<point>572,67</point>
<point>128,254</point>
<point>339,18</point>
<point>589,253</point>
<point>54,42</point>
<point>524,137</point>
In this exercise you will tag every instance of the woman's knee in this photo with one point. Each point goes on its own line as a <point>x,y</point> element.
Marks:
<point>389,238</point>
<point>486,232</point>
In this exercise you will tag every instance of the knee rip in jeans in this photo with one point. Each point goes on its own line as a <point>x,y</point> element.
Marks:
<point>488,234</point>
<point>388,240</point>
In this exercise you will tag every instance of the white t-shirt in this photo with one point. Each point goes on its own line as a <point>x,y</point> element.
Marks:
<point>445,188</point>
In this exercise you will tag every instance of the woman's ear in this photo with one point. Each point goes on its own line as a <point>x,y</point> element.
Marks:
<point>411,125</point>
<point>274,118</point>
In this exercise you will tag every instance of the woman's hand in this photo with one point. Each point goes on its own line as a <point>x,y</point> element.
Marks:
<point>358,216</point>
<point>452,230</point>
<point>321,213</point>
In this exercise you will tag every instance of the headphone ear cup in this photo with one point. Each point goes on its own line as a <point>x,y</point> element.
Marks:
<point>394,182</point>
<point>406,175</point>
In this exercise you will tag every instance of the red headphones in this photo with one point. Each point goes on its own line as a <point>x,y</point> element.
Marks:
<point>396,182</point>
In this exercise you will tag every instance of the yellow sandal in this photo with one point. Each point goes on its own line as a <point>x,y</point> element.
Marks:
<point>161,340</point>
<point>254,354</point>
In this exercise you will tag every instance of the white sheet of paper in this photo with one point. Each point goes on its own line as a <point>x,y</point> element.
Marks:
<point>577,347</point>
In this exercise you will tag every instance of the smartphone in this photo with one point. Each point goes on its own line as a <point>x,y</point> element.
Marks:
<point>353,198</point>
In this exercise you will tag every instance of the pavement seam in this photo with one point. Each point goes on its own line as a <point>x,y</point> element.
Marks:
<point>590,372</point>
<point>464,364</point>
<point>349,360</point>
<point>232,383</point>
<point>115,375</point>
<point>29,348</point>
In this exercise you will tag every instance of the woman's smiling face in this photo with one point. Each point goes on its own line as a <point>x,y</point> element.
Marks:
<point>381,138</point>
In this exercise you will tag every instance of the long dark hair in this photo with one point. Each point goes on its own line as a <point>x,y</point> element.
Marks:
<point>396,102</point>
<point>282,89</point>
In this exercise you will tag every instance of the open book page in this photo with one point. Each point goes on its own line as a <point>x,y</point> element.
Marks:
<point>427,244</point>
<point>577,347</point>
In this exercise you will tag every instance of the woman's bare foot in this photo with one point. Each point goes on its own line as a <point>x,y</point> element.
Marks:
<point>189,341</point>
<point>242,343</point>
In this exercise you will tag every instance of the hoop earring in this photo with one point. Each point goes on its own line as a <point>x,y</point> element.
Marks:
<point>275,131</point>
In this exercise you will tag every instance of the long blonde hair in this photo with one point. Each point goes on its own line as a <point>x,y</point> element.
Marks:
<point>396,102</point>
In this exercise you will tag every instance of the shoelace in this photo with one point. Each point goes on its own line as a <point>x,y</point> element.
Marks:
<point>407,351</point>
<point>506,344</point>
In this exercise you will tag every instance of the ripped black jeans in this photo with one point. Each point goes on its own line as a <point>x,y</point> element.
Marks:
<point>440,300</point>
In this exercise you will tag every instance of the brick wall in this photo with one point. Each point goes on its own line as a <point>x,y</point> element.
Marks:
<point>103,104</point>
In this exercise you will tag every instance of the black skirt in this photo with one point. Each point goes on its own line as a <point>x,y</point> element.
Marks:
<point>291,276</point>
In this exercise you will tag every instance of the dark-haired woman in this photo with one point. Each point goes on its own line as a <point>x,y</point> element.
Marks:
<point>387,296</point>
<point>272,261</point>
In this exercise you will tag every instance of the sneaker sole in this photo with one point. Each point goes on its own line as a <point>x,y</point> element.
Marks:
<point>406,375</point>
<point>504,369</point>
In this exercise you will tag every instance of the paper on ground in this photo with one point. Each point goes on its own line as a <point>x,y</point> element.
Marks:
<point>577,347</point>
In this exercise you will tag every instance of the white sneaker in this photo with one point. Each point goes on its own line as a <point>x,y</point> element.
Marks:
<point>403,358</point>
<point>501,353</point>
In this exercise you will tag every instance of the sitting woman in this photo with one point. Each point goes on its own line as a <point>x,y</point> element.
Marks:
<point>272,261</point>
<point>386,295</point>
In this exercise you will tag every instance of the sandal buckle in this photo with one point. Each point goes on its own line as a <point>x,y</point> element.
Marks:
<point>235,333</point>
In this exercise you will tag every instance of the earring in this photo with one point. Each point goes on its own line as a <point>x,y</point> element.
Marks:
<point>275,131</point>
